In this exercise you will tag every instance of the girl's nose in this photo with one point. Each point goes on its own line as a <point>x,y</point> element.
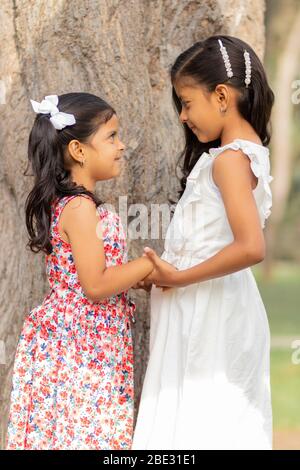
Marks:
<point>122,146</point>
<point>183,116</point>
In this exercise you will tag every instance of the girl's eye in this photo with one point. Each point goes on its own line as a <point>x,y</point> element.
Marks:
<point>113,135</point>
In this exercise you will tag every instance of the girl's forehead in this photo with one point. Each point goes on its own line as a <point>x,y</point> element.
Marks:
<point>184,90</point>
<point>111,125</point>
<point>185,84</point>
<point>113,121</point>
<point>107,127</point>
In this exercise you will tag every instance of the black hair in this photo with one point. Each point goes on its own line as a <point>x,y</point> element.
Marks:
<point>203,63</point>
<point>47,157</point>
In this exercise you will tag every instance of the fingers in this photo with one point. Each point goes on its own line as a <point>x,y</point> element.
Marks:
<point>152,255</point>
<point>147,286</point>
<point>138,285</point>
<point>158,262</point>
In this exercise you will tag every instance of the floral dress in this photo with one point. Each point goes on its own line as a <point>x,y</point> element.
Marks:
<point>73,370</point>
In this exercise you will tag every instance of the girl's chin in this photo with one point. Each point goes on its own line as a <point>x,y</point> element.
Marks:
<point>202,139</point>
<point>117,171</point>
<point>198,135</point>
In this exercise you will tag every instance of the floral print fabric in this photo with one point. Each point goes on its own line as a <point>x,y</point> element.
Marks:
<point>73,370</point>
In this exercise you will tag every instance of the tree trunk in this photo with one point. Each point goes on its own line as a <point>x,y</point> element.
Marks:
<point>122,51</point>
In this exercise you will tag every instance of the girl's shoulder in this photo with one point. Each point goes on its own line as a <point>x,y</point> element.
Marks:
<point>62,201</point>
<point>252,149</point>
<point>111,221</point>
<point>59,203</point>
<point>259,157</point>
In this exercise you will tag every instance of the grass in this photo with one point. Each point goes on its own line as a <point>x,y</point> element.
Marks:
<point>285,386</point>
<point>281,296</point>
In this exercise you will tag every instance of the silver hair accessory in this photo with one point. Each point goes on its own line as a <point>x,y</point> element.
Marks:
<point>49,106</point>
<point>247,68</point>
<point>226,59</point>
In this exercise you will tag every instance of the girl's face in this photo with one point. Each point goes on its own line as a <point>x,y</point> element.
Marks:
<point>103,154</point>
<point>201,109</point>
<point>105,151</point>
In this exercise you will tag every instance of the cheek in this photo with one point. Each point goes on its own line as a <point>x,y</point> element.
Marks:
<point>111,150</point>
<point>196,113</point>
<point>200,119</point>
<point>105,154</point>
<point>106,158</point>
<point>205,117</point>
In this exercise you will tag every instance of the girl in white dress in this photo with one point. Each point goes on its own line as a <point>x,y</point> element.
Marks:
<point>207,383</point>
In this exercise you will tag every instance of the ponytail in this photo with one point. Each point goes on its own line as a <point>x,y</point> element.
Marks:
<point>46,156</point>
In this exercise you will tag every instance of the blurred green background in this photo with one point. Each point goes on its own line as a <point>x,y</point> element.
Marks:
<point>281,296</point>
<point>278,277</point>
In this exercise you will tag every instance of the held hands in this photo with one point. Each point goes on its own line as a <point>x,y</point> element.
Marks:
<point>142,285</point>
<point>163,274</point>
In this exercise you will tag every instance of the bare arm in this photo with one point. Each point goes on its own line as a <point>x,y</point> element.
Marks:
<point>82,224</point>
<point>232,174</point>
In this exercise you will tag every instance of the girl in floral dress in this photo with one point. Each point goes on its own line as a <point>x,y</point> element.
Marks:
<point>73,370</point>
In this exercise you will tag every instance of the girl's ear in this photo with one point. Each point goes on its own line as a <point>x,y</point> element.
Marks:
<point>75,150</point>
<point>222,94</point>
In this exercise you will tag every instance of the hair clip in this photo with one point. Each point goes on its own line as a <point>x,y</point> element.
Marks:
<point>247,68</point>
<point>226,59</point>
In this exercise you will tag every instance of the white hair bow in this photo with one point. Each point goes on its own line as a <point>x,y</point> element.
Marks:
<point>49,106</point>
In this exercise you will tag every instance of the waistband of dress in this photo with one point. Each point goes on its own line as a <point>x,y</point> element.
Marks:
<point>122,298</point>
<point>184,254</point>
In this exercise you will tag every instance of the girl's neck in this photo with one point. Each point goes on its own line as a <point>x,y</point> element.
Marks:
<point>84,180</point>
<point>238,129</point>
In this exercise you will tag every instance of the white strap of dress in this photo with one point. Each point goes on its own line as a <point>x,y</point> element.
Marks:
<point>260,165</point>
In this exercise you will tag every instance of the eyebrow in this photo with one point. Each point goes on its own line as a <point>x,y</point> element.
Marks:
<point>112,132</point>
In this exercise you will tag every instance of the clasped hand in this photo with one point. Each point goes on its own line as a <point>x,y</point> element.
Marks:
<point>162,275</point>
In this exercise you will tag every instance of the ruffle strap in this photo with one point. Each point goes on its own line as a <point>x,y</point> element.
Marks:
<point>260,165</point>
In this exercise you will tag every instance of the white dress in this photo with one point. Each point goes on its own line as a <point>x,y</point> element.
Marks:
<point>207,383</point>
